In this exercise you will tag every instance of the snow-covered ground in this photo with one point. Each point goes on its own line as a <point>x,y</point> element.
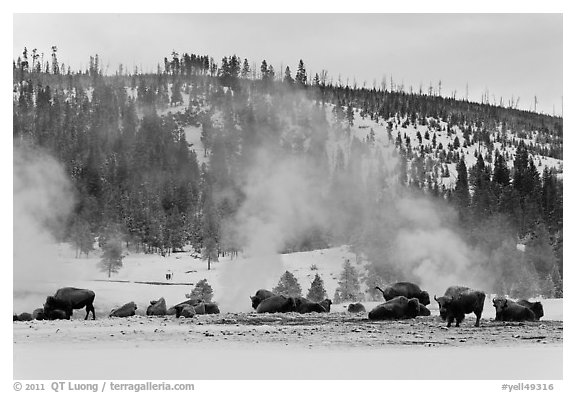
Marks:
<point>338,345</point>
<point>142,278</point>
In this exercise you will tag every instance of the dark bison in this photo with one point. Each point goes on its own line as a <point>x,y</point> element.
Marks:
<point>408,290</point>
<point>38,314</point>
<point>305,306</point>
<point>356,307</point>
<point>422,310</point>
<point>509,310</point>
<point>260,295</point>
<point>277,303</point>
<point>186,311</point>
<point>127,310</point>
<point>68,299</point>
<point>157,307</point>
<point>55,314</point>
<point>536,308</point>
<point>326,303</point>
<point>211,308</point>
<point>459,301</point>
<point>397,308</point>
<point>25,316</point>
<point>189,302</point>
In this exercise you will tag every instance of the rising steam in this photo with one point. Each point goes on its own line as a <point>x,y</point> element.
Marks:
<point>42,201</point>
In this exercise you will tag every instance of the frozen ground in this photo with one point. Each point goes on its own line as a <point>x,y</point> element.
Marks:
<point>239,344</point>
<point>285,346</point>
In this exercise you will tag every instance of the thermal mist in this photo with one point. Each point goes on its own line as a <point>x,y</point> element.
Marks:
<point>281,202</point>
<point>42,200</point>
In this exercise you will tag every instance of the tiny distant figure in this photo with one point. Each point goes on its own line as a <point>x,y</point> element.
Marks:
<point>169,275</point>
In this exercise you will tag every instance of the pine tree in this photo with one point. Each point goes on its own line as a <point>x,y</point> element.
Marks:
<point>461,190</point>
<point>245,69</point>
<point>349,284</point>
<point>111,260</point>
<point>316,293</point>
<point>202,291</point>
<point>288,286</point>
<point>301,77</point>
<point>288,77</point>
<point>350,115</point>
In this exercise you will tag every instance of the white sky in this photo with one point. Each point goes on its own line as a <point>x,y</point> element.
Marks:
<point>508,54</point>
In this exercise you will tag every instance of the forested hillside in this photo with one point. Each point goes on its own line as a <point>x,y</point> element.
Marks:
<point>228,158</point>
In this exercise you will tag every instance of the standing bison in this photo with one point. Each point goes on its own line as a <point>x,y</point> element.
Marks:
<point>536,308</point>
<point>68,299</point>
<point>509,310</point>
<point>277,303</point>
<point>408,290</point>
<point>260,295</point>
<point>399,307</point>
<point>459,301</point>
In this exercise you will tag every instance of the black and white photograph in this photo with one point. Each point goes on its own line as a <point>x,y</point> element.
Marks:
<point>288,196</point>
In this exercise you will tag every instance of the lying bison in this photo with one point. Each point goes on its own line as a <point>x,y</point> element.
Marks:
<point>23,317</point>
<point>68,299</point>
<point>127,310</point>
<point>459,301</point>
<point>408,290</point>
<point>305,306</point>
<point>157,307</point>
<point>356,308</point>
<point>260,295</point>
<point>536,308</point>
<point>326,303</point>
<point>211,308</point>
<point>397,308</point>
<point>38,314</point>
<point>55,314</point>
<point>277,303</point>
<point>422,310</point>
<point>189,302</point>
<point>186,311</point>
<point>509,310</point>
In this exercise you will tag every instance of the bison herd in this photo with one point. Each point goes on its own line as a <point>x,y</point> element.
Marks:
<point>406,300</point>
<point>403,300</point>
<point>65,300</point>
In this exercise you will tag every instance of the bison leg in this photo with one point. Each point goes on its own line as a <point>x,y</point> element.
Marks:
<point>450,320</point>
<point>459,319</point>
<point>90,308</point>
<point>478,315</point>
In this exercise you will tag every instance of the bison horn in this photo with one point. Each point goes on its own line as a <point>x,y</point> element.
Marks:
<point>435,298</point>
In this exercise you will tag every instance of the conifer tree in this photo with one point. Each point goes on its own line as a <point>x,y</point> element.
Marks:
<point>288,286</point>
<point>316,293</point>
<point>461,190</point>
<point>301,77</point>
<point>111,260</point>
<point>349,284</point>
<point>202,291</point>
<point>288,77</point>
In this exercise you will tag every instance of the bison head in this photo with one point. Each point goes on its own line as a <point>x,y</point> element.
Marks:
<point>538,310</point>
<point>444,303</point>
<point>255,301</point>
<point>424,298</point>
<point>500,304</point>
<point>413,308</point>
